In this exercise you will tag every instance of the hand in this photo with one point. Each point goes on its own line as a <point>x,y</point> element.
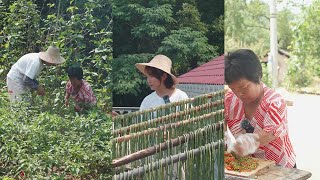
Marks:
<point>246,144</point>
<point>40,91</point>
<point>66,102</point>
<point>113,113</point>
<point>77,108</point>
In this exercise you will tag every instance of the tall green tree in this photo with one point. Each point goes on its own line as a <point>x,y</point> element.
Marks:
<point>285,28</point>
<point>177,29</point>
<point>128,83</point>
<point>214,18</point>
<point>140,26</point>
<point>188,48</point>
<point>21,25</point>
<point>306,47</point>
<point>247,26</point>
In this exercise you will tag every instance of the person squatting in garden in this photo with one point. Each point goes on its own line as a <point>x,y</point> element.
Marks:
<point>254,113</point>
<point>162,82</point>
<point>79,89</point>
<point>23,74</point>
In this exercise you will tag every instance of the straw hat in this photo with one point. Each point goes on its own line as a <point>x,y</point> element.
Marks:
<point>161,62</point>
<point>52,55</point>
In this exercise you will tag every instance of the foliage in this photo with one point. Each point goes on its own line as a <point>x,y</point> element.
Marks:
<point>41,138</point>
<point>212,14</point>
<point>216,33</point>
<point>189,13</point>
<point>86,44</point>
<point>140,26</point>
<point>19,33</point>
<point>38,141</point>
<point>72,26</point>
<point>299,74</point>
<point>265,75</point>
<point>192,47</point>
<point>180,29</point>
<point>306,48</point>
<point>126,79</point>
<point>285,29</point>
<point>247,26</point>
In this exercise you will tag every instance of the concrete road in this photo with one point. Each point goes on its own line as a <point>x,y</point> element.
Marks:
<point>304,129</point>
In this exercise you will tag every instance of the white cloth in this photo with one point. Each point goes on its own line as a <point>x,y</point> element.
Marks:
<point>153,100</point>
<point>28,65</point>
<point>15,90</point>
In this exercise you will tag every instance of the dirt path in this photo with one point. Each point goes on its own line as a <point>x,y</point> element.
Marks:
<point>304,123</point>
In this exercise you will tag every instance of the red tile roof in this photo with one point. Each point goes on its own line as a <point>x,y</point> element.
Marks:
<point>209,73</point>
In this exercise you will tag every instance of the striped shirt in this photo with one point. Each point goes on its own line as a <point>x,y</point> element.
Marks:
<point>85,94</point>
<point>271,115</point>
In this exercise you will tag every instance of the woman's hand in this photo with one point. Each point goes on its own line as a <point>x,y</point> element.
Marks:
<point>266,137</point>
<point>77,108</point>
<point>66,102</point>
<point>66,99</point>
<point>246,144</point>
<point>40,90</point>
<point>113,113</point>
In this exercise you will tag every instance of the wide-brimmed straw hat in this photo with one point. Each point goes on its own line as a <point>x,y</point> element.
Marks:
<point>52,55</point>
<point>161,62</point>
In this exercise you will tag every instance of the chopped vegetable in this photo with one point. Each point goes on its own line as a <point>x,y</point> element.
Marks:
<point>243,164</point>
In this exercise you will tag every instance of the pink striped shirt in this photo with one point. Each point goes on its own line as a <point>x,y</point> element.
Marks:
<point>271,115</point>
<point>85,94</point>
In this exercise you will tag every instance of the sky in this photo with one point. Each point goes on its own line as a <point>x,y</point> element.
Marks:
<point>290,4</point>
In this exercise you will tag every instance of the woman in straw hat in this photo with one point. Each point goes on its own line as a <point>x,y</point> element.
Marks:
<point>22,75</point>
<point>160,79</point>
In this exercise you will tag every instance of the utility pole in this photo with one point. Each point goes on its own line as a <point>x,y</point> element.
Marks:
<point>274,42</point>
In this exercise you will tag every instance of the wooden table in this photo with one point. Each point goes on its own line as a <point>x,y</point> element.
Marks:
<point>278,173</point>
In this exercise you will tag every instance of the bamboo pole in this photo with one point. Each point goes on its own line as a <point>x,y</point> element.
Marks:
<point>166,162</point>
<point>164,118</point>
<point>137,113</point>
<point>162,146</point>
<point>191,126</point>
<point>165,127</point>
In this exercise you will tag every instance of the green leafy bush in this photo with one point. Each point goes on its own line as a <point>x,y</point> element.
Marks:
<point>60,143</point>
<point>41,138</point>
<point>265,75</point>
<point>190,33</point>
<point>81,29</point>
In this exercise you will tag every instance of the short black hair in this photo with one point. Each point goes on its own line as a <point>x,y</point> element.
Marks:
<point>242,63</point>
<point>75,71</point>
<point>157,73</point>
